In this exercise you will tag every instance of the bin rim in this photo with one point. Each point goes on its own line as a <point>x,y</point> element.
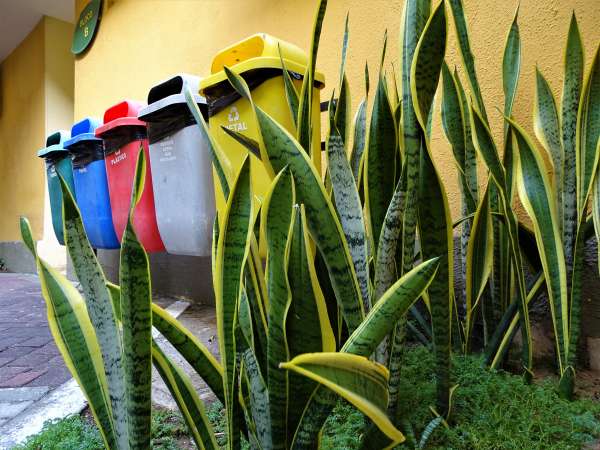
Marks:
<point>58,146</point>
<point>260,62</point>
<point>81,137</point>
<point>166,102</point>
<point>119,122</point>
<point>55,148</point>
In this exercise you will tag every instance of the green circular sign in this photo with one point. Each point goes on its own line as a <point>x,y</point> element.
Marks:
<point>86,26</point>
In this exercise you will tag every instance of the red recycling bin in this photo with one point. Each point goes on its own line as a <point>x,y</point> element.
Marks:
<point>123,135</point>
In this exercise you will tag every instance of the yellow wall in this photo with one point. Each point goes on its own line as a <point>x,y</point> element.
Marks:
<point>36,92</point>
<point>141,42</point>
<point>22,127</point>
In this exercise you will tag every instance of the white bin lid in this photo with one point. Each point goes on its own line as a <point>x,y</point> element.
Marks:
<point>170,92</point>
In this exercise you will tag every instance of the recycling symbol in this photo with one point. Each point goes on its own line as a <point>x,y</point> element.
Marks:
<point>233,115</point>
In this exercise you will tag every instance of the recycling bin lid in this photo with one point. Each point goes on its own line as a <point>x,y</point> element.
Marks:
<point>168,93</point>
<point>260,51</point>
<point>122,114</point>
<point>84,130</point>
<point>55,143</point>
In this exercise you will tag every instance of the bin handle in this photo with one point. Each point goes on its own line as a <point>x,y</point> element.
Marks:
<point>325,108</point>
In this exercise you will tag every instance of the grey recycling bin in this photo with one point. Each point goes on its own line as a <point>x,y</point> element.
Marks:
<point>181,168</point>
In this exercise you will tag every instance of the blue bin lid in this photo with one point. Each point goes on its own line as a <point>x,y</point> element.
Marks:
<point>55,143</point>
<point>84,131</point>
<point>171,91</point>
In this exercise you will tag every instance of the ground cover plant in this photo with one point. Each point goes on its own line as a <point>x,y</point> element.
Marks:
<point>493,410</point>
<point>356,257</point>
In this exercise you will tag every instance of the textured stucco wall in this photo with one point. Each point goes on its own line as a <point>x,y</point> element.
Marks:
<point>36,91</point>
<point>141,42</point>
<point>22,128</point>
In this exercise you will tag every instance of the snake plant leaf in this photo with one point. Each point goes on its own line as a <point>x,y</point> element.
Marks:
<point>358,380</point>
<point>567,382</point>
<point>259,399</point>
<point>306,94</point>
<point>349,209</point>
<point>380,160</point>
<point>191,407</point>
<point>455,128</point>
<point>484,143</point>
<point>414,17</point>
<point>232,252</point>
<point>343,105</point>
<point>511,64</point>
<point>511,68</point>
<point>385,267</point>
<point>596,211</point>
<point>390,308</point>
<point>588,133</point>
<point>470,168</point>
<point>278,222</point>
<point>358,144</point>
<point>192,350</point>
<point>435,223</point>
<point>244,322</point>
<point>506,329</point>
<point>136,319</point>
<point>427,63</point>
<point>75,338</point>
<point>256,293</point>
<point>546,125</point>
<point>219,160</point>
<point>572,85</point>
<point>100,309</point>
<point>308,327</point>
<point>291,94</point>
<point>326,230</point>
<point>251,145</point>
<point>537,196</point>
<point>479,261</point>
<point>308,301</point>
<point>462,34</point>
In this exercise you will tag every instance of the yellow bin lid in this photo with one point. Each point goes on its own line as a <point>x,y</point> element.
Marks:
<point>258,52</point>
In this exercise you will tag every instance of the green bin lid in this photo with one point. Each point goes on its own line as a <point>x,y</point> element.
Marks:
<point>55,143</point>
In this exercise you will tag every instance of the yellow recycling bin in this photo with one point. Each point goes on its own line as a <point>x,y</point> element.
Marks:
<point>257,60</point>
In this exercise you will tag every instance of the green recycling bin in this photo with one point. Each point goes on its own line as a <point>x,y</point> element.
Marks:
<point>58,161</point>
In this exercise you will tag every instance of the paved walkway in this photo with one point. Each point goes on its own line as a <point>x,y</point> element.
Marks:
<point>35,385</point>
<point>30,364</point>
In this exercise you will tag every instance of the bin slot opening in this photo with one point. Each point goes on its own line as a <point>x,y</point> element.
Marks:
<point>250,48</point>
<point>53,139</point>
<point>123,109</point>
<point>84,126</point>
<point>170,87</point>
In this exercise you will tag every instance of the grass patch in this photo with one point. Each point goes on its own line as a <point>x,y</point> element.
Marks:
<point>77,433</point>
<point>492,411</point>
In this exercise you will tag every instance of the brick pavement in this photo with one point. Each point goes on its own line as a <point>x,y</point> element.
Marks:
<point>30,364</point>
<point>31,368</point>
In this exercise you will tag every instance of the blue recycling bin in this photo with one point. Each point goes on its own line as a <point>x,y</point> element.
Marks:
<point>57,162</point>
<point>89,174</point>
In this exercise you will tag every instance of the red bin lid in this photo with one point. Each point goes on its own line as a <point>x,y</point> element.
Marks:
<point>122,114</point>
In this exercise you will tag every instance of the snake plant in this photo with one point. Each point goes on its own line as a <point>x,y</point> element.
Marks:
<point>105,335</point>
<point>557,205</point>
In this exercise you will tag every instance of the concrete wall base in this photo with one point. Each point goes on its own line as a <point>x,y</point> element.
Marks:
<point>16,257</point>
<point>183,276</point>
